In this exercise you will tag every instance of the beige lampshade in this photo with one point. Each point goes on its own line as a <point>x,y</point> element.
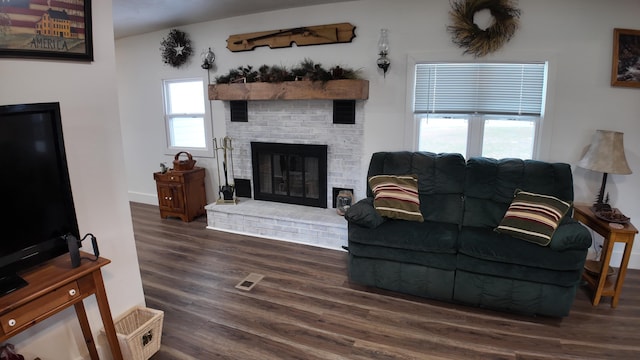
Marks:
<point>606,154</point>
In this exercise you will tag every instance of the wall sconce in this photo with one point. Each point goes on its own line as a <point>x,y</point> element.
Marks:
<point>605,155</point>
<point>383,50</point>
<point>208,57</point>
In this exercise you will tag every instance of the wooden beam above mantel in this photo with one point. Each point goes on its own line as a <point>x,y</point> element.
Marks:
<point>347,89</point>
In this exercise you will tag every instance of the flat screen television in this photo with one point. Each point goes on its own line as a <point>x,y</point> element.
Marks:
<point>38,212</point>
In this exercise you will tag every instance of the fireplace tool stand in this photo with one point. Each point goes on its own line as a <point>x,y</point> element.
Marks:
<point>226,191</point>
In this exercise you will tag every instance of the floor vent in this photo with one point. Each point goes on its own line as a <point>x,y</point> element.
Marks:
<point>249,282</point>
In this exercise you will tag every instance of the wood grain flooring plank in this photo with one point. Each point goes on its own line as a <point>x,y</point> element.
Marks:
<point>305,307</point>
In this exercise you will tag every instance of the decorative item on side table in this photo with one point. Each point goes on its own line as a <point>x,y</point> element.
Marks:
<point>227,190</point>
<point>344,200</point>
<point>383,50</point>
<point>606,155</point>
<point>625,66</point>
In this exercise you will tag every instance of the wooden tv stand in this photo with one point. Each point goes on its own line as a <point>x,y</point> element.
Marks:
<point>53,287</point>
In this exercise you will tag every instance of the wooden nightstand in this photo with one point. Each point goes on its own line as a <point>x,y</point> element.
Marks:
<point>600,282</point>
<point>181,193</point>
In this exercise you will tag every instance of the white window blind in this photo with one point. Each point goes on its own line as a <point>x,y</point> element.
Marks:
<point>483,88</point>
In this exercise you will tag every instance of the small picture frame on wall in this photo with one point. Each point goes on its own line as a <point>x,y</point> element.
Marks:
<point>626,58</point>
<point>58,30</point>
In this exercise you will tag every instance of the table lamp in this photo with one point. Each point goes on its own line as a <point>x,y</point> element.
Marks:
<point>606,155</point>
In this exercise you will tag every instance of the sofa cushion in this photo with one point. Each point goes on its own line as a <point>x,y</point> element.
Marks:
<point>533,217</point>
<point>396,196</point>
<point>518,271</point>
<point>408,235</point>
<point>440,180</point>
<point>491,246</point>
<point>364,214</point>
<point>490,185</point>
<point>436,260</point>
<point>426,243</point>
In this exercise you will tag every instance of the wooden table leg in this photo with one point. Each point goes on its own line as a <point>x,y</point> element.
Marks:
<point>86,330</point>
<point>621,273</point>
<point>607,247</point>
<point>105,313</point>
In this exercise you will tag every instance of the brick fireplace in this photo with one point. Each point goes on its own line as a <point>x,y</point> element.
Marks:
<point>293,122</point>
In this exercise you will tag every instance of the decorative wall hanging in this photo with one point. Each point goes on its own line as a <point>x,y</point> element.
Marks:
<point>50,32</point>
<point>383,50</point>
<point>476,41</point>
<point>301,36</point>
<point>175,48</point>
<point>626,58</point>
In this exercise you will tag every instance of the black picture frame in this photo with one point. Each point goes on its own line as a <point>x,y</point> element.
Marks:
<point>626,58</point>
<point>33,30</point>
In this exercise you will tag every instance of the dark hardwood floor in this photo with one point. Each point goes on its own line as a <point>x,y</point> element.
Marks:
<point>305,307</point>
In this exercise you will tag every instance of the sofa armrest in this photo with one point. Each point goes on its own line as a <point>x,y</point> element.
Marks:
<point>363,213</point>
<point>570,235</point>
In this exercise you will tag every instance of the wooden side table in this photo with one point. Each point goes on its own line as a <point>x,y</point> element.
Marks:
<point>600,282</point>
<point>181,193</point>
<point>53,287</point>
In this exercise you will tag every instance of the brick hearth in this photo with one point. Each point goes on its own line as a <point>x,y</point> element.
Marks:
<point>293,223</point>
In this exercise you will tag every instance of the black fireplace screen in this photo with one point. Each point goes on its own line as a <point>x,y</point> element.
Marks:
<point>290,173</point>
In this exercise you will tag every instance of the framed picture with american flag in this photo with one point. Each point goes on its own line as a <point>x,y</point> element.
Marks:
<point>46,29</point>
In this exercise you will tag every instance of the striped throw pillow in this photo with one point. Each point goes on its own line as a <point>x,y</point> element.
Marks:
<point>533,217</point>
<point>396,196</point>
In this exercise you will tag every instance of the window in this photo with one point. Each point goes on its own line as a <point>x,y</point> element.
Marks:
<point>185,114</point>
<point>479,109</point>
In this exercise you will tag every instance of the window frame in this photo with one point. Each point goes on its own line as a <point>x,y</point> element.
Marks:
<point>544,126</point>
<point>208,150</point>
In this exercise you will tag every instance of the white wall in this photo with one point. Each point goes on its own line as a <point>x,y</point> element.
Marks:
<point>90,119</point>
<point>575,36</point>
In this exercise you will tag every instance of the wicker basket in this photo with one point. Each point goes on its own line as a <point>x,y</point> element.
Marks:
<point>183,165</point>
<point>139,332</point>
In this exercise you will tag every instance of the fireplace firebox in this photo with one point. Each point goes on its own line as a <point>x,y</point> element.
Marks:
<point>290,173</point>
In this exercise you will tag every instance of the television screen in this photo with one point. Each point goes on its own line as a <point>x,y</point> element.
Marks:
<point>39,210</point>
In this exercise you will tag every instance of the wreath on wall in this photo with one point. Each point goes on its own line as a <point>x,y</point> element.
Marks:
<point>476,41</point>
<point>176,48</point>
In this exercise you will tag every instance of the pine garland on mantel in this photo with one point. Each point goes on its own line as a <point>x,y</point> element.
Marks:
<point>306,70</point>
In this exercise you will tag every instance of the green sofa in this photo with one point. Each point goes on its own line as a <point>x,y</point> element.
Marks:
<point>456,254</point>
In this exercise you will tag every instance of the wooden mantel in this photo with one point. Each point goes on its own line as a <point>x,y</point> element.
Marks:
<point>292,90</point>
